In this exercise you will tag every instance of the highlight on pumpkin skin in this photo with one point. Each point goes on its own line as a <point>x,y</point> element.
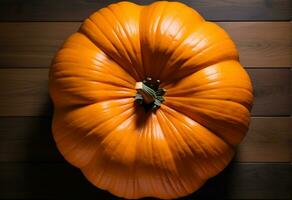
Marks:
<point>149,101</point>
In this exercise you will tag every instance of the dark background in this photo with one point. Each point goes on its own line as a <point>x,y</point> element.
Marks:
<point>31,32</point>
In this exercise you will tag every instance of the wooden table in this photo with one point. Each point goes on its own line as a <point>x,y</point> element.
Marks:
<point>31,32</point>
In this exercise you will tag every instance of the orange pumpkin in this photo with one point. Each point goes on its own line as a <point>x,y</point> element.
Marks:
<point>149,100</point>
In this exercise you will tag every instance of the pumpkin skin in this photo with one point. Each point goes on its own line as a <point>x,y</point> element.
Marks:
<point>99,128</point>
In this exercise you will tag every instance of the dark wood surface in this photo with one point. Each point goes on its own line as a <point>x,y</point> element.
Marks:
<point>268,140</point>
<point>55,180</point>
<point>272,91</point>
<point>27,45</point>
<point>31,31</point>
<point>77,10</point>
<point>29,139</point>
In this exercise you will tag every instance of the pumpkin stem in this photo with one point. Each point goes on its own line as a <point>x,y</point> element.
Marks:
<point>149,94</point>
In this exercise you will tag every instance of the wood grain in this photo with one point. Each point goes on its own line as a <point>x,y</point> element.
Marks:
<point>238,181</point>
<point>29,139</point>
<point>32,44</point>
<point>28,45</point>
<point>269,139</point>
<point>272,91</point>
<point>77,10</point>
<point>24,92</point>
<point>265,44</point>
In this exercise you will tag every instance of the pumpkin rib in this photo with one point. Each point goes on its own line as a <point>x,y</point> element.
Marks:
<point>200,97</point>
<point>130,42</point>
<point>166,51</point>
<point>70,72</point>
<point>125,48</point>
<point>199,122</point>
<point>172,161</point>
<point>159,170</point>
<point>118,85</point>
<point>220,73</point>
<point>114,143</point>
<point>202,89</point>
<point>79,40</point>
<point>224,58</point>
<point>105,35</point>
<point>82,100</point>
<point>120,41</point>
<point>83,138</point>
<point>96,66</point>
<point>110,188</point>
<point>71,122</point>
<point>67,150</point>
<point>205,101</point>
<point>176,135</point>
<point>186,72</point>
<point>111,71</point>
<point>195,54</point>
<point>81,153</point>
<point>170,186</point>
<point>63,74</point>
<point>105,52</point>
<point>174,116</point>
<point>201,167</point>
<point>198,145</point>
<point>207,94</point>
<point>157,24</point>
<point>222,116</point>
<point>177,47</point>
<point>157,32</point>
<point>225,163</point>
<point>158,138</point>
